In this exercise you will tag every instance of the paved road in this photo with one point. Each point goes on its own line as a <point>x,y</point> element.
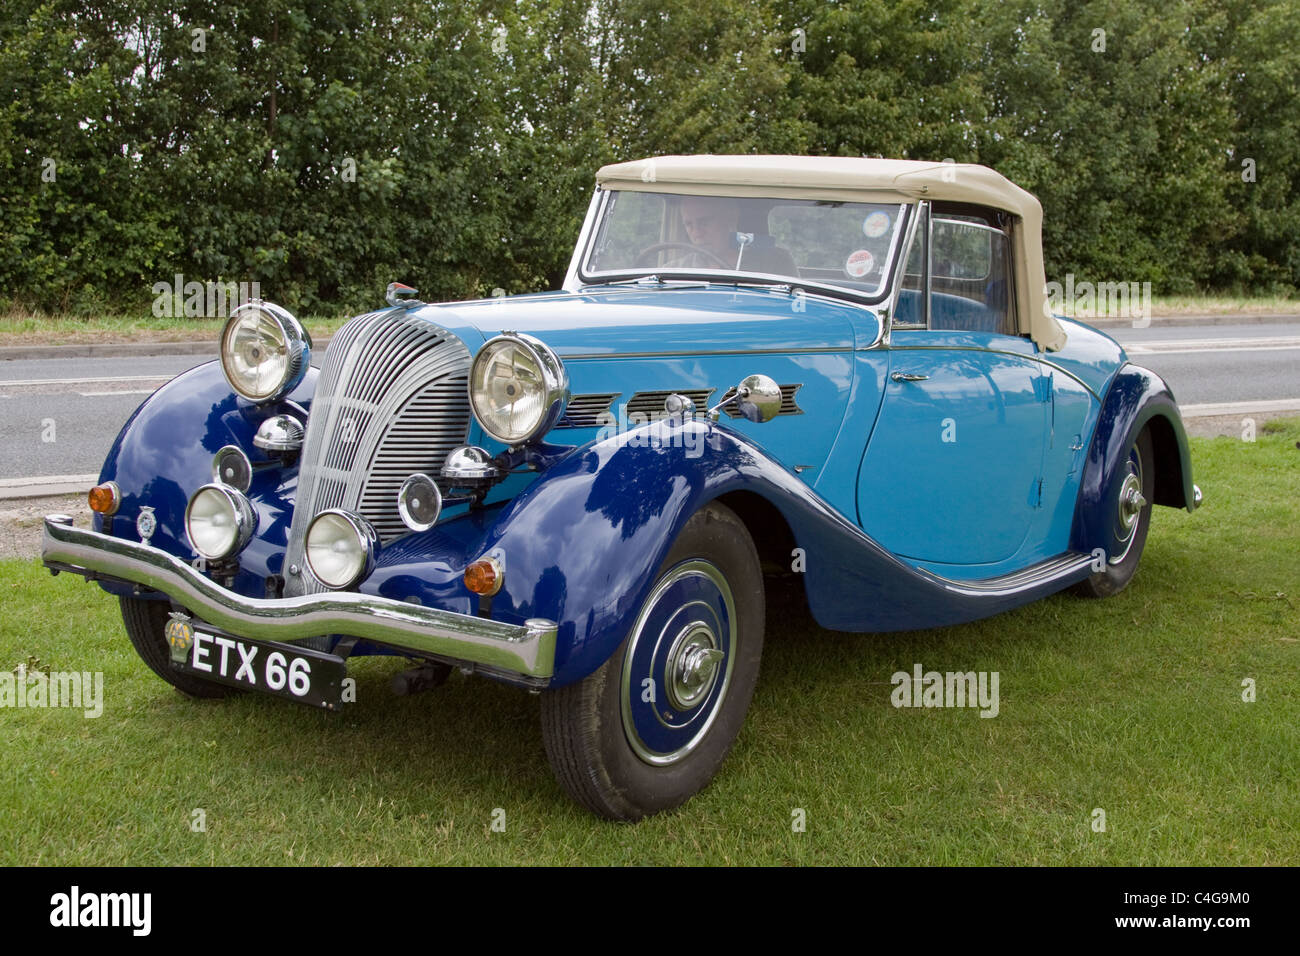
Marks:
<point>63,417</point>
<point>1222,363</point>
<point>67,426</point>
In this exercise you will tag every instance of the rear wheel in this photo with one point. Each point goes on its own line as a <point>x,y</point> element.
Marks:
<point>1130,519</point>
<point>146,622</point>
<point>652,726</point>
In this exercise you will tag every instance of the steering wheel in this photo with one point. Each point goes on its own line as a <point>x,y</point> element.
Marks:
<point>660,246</point>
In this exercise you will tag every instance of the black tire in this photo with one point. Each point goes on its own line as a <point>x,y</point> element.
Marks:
<point>145,623</point>
<point>1125,545</point>
<point>590,728</point>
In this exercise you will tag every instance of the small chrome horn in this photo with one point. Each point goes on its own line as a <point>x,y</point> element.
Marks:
<point>280,434</point>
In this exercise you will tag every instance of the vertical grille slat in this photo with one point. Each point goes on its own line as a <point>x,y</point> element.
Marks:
<point>391,399</point>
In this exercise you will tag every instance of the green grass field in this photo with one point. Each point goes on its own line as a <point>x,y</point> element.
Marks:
<point>1132,705</point>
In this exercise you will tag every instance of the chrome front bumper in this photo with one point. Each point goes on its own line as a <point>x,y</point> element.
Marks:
<point>527,649</point>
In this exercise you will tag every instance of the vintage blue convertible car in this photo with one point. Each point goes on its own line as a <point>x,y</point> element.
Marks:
<point>839,369</point>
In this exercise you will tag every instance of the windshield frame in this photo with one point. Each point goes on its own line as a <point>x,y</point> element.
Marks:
<point>600,206</point>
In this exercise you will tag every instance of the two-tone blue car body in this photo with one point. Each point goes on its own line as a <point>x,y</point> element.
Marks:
<point>844,369</point>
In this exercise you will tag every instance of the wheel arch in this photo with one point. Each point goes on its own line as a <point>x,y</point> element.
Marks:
<point>1172,464</point>
<point>774,539</point>
<point>767,526</point>
<point>1137,399</point>
<point>164,453</point>
<point>582,542</point>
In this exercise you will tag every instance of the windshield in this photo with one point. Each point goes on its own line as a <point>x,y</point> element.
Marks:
<point>841,244</point>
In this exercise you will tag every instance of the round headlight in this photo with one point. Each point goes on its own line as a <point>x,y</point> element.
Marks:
<point>265,352</point>
<point>219,521</point>
<point>340,548</point>
<point>517,388</point>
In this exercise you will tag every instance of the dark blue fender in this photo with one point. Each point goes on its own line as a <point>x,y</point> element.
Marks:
<point>1137,398</point>
<point>582,545</point>
<point>164,452</point>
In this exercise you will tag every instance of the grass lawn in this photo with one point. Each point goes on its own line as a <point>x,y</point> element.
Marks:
<point>1132,705</point>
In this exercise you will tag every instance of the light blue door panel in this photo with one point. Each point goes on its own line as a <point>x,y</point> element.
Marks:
<point>953,471</point>
<point>1072,417</point>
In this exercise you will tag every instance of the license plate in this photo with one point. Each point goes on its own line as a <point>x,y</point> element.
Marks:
<point>299,674</point>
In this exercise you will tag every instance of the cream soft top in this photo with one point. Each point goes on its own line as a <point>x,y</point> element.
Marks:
<point>848,179</point>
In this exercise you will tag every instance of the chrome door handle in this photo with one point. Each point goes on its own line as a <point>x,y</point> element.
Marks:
<point>908,377</point>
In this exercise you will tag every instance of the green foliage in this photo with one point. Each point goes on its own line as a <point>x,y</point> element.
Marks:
<point>323,151</point>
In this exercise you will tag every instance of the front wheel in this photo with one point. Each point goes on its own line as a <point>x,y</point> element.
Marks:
<point>146,623</point>
<point>651,727</point>
<point>1130,519</point>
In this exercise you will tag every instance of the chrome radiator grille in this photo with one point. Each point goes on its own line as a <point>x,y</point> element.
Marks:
<point>391,399</point>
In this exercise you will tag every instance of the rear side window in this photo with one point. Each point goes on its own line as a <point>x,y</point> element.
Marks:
<point>970,273</point>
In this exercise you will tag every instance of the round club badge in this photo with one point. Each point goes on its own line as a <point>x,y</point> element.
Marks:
<point>859,263</point>
<point>876,224</point>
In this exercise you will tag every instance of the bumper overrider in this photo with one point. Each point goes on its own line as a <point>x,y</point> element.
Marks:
<point>525,651</point>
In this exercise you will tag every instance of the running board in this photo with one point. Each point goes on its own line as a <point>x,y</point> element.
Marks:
<point>1069,567</point>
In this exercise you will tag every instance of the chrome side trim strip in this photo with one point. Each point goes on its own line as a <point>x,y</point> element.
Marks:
<point>1045,572</point>
<point>897,347</point>
<point>528,649</point>
<point>837,350</point>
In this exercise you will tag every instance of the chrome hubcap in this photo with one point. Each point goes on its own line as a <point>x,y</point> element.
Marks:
<point>1131,501</point>
<point>693,664</point>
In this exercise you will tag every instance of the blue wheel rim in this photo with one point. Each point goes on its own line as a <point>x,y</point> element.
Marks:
<point>1125,534</point>
<point>678,663</point>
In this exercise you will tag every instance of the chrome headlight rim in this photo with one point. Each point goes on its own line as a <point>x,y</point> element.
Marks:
<point>242,515</point>
<point>555,387</point>
<point>294,342</point>
<point>363,535</point>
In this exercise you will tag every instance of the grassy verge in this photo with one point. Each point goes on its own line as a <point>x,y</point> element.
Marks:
<point>27,329</point>
<point>1131,705</point>
<point>1176,305</point>
<point>22,328</point>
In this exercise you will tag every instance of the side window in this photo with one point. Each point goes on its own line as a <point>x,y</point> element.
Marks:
<point>970,272</point>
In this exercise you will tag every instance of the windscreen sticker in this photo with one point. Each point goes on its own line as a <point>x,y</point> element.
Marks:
<point>876,224</point>
<point>859,263</point>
